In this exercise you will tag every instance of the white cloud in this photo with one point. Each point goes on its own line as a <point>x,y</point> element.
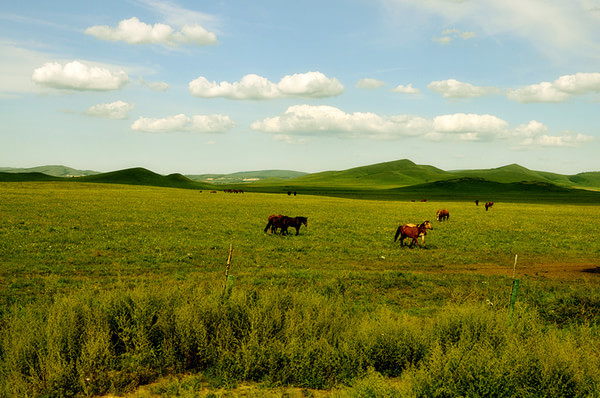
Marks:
<point>369,84</point>
<point>314,120</point>
<point>78,76</point>
<point>543,92</point>
<point>114,110</point>
<point>405,89</point>
<point>307,120</point>
<point>306,85</point>
<point>184,123</point>
<point>453,88</point>
<point>535,135</point>
<point>470,127</point>
<point>133,31</point>
<point>558,91</point>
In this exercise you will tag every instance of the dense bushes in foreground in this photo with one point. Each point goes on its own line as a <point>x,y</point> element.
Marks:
<point>91,343</point>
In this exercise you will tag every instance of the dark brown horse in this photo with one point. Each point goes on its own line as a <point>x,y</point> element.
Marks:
<point>294,222</point>
<point>412,231</point>
<point>275,222</point>
<point>282,223</point>
<point>442,215</point>
<point>488,205</point>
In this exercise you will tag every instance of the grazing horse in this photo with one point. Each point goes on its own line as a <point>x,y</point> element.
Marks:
<point>282,223</point>
<point>442,215</point>
<point>294,222</point>
<point>275,221</point>
<point>488,205</point>
<point>412,231</point>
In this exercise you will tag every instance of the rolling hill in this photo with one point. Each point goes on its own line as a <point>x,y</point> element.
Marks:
<point>51,170</point>
<point>401,179</point>
<point>380,175</point>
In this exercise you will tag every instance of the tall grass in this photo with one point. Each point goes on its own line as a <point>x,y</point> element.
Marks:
<point>90,343</point>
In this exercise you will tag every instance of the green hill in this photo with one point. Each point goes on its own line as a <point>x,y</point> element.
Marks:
<point>246,176</point>
<point>401,179</point>
<point>52,170</point>
<point>20,177</point>
<point>141,176</point>
<point>381,175</point>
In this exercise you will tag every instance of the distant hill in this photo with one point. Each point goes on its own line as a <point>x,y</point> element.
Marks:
<point>56,171</point>
<point>400,179</point>
<point>246,176</point>
<point>141,176</point>
<point>19,177</point>
<point>382,175</point>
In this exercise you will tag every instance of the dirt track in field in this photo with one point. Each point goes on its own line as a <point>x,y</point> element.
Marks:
<point>569,271</point>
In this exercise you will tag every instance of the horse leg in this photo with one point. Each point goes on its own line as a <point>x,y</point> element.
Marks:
<point>270,224</point>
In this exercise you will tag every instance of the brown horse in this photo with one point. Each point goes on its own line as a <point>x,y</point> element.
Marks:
<point>294,222</point>
<point>442,215</point>
<point>282,223</point>
<point>488,205</point>
<point>275,221</point>
<point>412,231</point>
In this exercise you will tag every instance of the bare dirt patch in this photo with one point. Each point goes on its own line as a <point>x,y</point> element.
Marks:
<point>568,271</point>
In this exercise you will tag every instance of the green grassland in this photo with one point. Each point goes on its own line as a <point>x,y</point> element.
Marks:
<point>106,287</point>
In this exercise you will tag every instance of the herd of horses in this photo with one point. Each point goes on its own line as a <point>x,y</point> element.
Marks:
<point>411,231</point>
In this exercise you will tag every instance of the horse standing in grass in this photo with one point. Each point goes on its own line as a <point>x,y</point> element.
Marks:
<point>275,221</point>
<point>412,231</point>
<point>488,205</point>
<point>294,222</point>
<point>282,223</point>
<point>442,215</point>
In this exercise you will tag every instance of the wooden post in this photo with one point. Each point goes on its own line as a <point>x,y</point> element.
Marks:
<point>228,278</point>
<point>515,290</point>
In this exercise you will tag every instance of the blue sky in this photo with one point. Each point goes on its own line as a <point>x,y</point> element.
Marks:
<point>226,86</point>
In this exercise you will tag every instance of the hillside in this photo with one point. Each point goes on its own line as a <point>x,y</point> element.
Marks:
<point>381,175</point>
<point>51,170</point>
<point>246,176</point>
<point>141,176</point>
<point>396,180</point>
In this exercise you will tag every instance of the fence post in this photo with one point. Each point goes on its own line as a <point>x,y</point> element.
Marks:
<point>515,290</point>
<point>228,278</point>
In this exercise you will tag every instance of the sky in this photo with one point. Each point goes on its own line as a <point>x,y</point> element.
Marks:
<point>198,87</point>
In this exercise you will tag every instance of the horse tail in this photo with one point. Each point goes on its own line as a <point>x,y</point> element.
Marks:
<point>398,231</point>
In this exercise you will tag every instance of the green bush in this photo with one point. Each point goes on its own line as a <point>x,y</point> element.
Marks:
<point>90,343</point>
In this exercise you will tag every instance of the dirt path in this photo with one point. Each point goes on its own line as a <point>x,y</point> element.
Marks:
<point>568,271</point>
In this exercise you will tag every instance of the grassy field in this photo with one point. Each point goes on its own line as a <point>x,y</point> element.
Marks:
<point>340,307</point>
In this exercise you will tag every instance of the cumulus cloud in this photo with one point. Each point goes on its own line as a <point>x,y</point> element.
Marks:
<point>453,88</point>
<point>133,31</point>
<point>184,123</point>
<point>78,76</point>
<point>307,120</point>
<point>535,135</point>
<point>114,110</point>
<point>305,85</point>
<point>560,90</point>
<point>406,89</point>
<point>369,84</point>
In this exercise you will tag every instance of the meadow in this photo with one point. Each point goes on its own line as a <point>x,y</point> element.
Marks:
<point>104,288</point>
